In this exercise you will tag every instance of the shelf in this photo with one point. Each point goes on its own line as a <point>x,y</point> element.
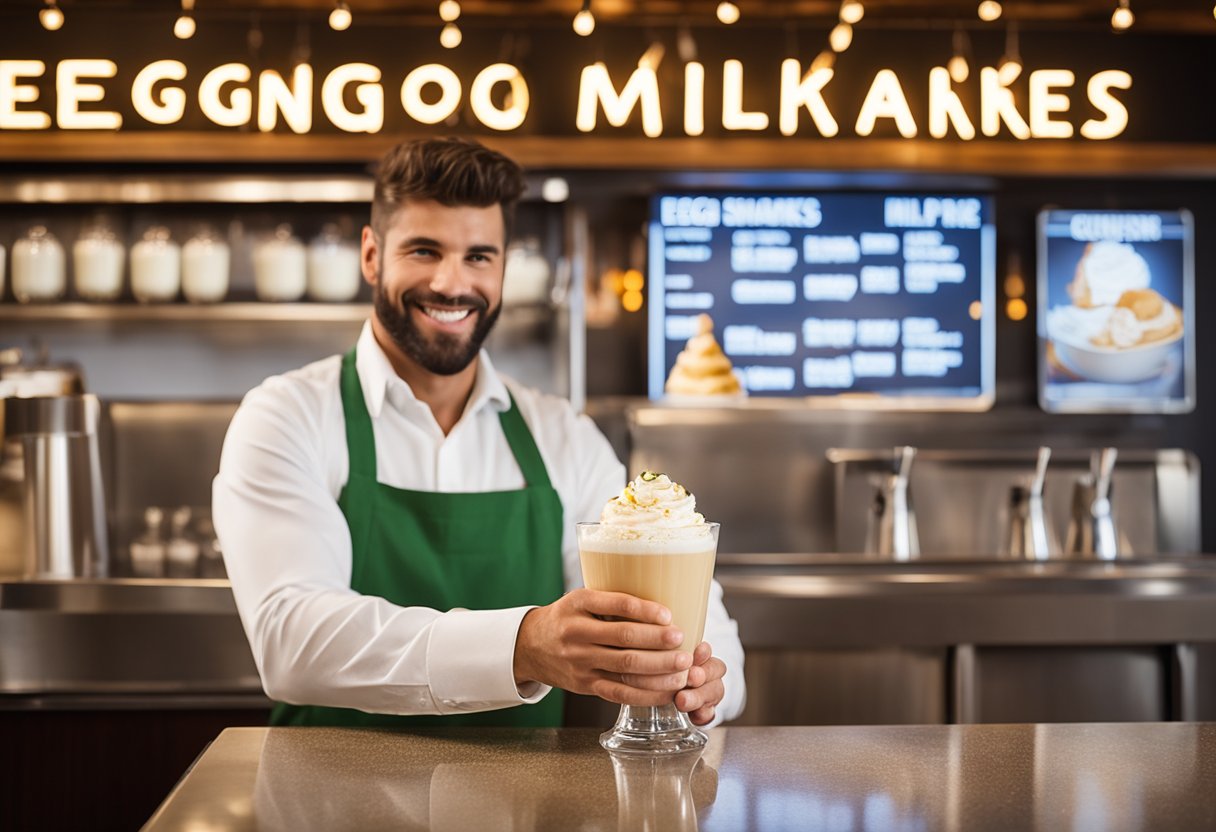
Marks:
<point>233,312</point>
<point>252,312</point>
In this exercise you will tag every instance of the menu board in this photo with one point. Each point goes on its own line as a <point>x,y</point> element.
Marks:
<point>870,299</point>
<point>1116,310</point>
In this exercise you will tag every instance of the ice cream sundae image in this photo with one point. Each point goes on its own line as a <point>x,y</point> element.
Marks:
<point>701,368</point>
<point>1118,329</point>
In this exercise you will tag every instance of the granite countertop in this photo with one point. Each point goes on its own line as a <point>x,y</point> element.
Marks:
<point>1129,776</point>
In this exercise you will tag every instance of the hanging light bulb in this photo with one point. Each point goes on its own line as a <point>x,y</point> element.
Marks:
<point>340,18</point>
<point>450,37</point>
<point>584,21</point>
<point>51,16</point>
<point>1122,18</point>
<point>840,37</point>
<point>449,11</point>
<point>824,60</point>
<point>728,12</point>
<point>183,27</point>
<point>989,10</point>
<point>1010,66</point>
<point>957,67</point>
<point>851,11</point>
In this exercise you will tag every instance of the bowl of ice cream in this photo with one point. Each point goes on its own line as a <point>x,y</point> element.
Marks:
<point>1128,342</point>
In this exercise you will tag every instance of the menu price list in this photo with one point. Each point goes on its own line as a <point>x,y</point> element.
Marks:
<point>822,295</point>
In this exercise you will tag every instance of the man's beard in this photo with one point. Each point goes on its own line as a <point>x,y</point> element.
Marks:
<point>441,353</point>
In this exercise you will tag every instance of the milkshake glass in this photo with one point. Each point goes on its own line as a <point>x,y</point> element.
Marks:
<point>659,561</point>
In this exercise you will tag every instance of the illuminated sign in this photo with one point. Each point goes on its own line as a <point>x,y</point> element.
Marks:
<point>352,98</point>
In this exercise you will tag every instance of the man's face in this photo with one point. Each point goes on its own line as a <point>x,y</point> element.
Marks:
<point>437,274</point>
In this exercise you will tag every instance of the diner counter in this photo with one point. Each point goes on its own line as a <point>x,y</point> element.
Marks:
<point>1149,776</point>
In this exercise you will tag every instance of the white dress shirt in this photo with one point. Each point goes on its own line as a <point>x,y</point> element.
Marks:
<point>287,548</point>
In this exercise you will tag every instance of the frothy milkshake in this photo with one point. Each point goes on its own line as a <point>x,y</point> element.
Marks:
<point>652,543</point>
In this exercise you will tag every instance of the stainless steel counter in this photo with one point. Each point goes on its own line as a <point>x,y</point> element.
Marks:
<point>990,777</point>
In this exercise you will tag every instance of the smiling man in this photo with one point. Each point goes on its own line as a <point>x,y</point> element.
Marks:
<point>397,522</point>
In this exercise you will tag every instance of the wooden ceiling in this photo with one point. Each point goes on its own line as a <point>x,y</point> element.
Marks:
<point>1169,15</point>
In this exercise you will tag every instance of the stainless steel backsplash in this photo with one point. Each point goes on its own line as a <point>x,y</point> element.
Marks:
<point>765,474</point>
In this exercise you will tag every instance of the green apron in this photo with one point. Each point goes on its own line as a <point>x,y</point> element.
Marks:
<point>486,550</point>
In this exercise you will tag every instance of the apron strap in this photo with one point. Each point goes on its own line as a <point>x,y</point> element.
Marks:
<point>523,446</point>
<point>360,441</point>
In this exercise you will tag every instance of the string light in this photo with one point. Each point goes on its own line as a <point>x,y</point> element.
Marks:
<point>1010,66</point>
<point>1122,18</point>
<point>989,11</point>
<point>957,67</point>
<point>450,37</point>
<point>51,16</point>
<point>449,11</point>
<point>183,27</point>
<point>728,12</point>
<point>841,37</point>
<point>340,18</point>
<point>851,11</point>
<point>584,21</point>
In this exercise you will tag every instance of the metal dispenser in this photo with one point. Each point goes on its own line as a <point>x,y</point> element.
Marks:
<point>65,515</point>
<point>1031,536</point>
<point>1092,532</point>
<point>892,527</point>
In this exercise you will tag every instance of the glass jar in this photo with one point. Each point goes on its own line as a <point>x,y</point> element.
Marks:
<point>205,265</point>
<point>279,272</point>
<point>97,260</point>
<point>156,263</point>
<point>526,275</point>
<point>333,267</point>
<point>39,272</point>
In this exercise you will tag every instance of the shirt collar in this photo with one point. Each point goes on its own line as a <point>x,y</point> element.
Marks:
<point>376,374</point>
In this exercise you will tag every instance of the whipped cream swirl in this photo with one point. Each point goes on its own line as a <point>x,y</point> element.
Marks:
<point>1110,269</point>
<point>653,507</point>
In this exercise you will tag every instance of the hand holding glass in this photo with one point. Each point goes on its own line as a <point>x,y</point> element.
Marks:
<point>675,573</point>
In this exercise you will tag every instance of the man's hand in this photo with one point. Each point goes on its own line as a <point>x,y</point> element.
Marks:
<point>705,689</point>
<point>630,660</point>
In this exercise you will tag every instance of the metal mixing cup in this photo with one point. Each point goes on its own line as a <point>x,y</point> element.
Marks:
<point>64,501</point>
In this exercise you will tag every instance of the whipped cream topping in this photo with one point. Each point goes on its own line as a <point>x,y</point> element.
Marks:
<point>1109,269</point>
<point>701,368</point>
<point>653,509</point>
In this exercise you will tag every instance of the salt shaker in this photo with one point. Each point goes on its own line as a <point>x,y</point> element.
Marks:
<point>205,265</point>
<point>333,267</point>
<point>182,550</point>
<point>156,263</point>
<point>279,272</point>
<point>97,258</point>
<point>148,549</point>
<point>39,273</point>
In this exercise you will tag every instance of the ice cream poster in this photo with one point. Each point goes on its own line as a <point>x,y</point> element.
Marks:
<point>1115,311</point>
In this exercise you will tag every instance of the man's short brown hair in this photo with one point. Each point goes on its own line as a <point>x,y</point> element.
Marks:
<point>452,172</point>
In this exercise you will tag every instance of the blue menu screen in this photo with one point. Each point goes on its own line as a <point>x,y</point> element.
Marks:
<point>881,299</point>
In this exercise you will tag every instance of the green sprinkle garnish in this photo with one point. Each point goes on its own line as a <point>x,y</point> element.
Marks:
<point>650,476</point>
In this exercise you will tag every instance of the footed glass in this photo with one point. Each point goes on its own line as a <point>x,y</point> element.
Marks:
<point>676,573</point>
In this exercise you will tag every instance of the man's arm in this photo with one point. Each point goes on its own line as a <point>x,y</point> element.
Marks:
<point>288,554</point>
